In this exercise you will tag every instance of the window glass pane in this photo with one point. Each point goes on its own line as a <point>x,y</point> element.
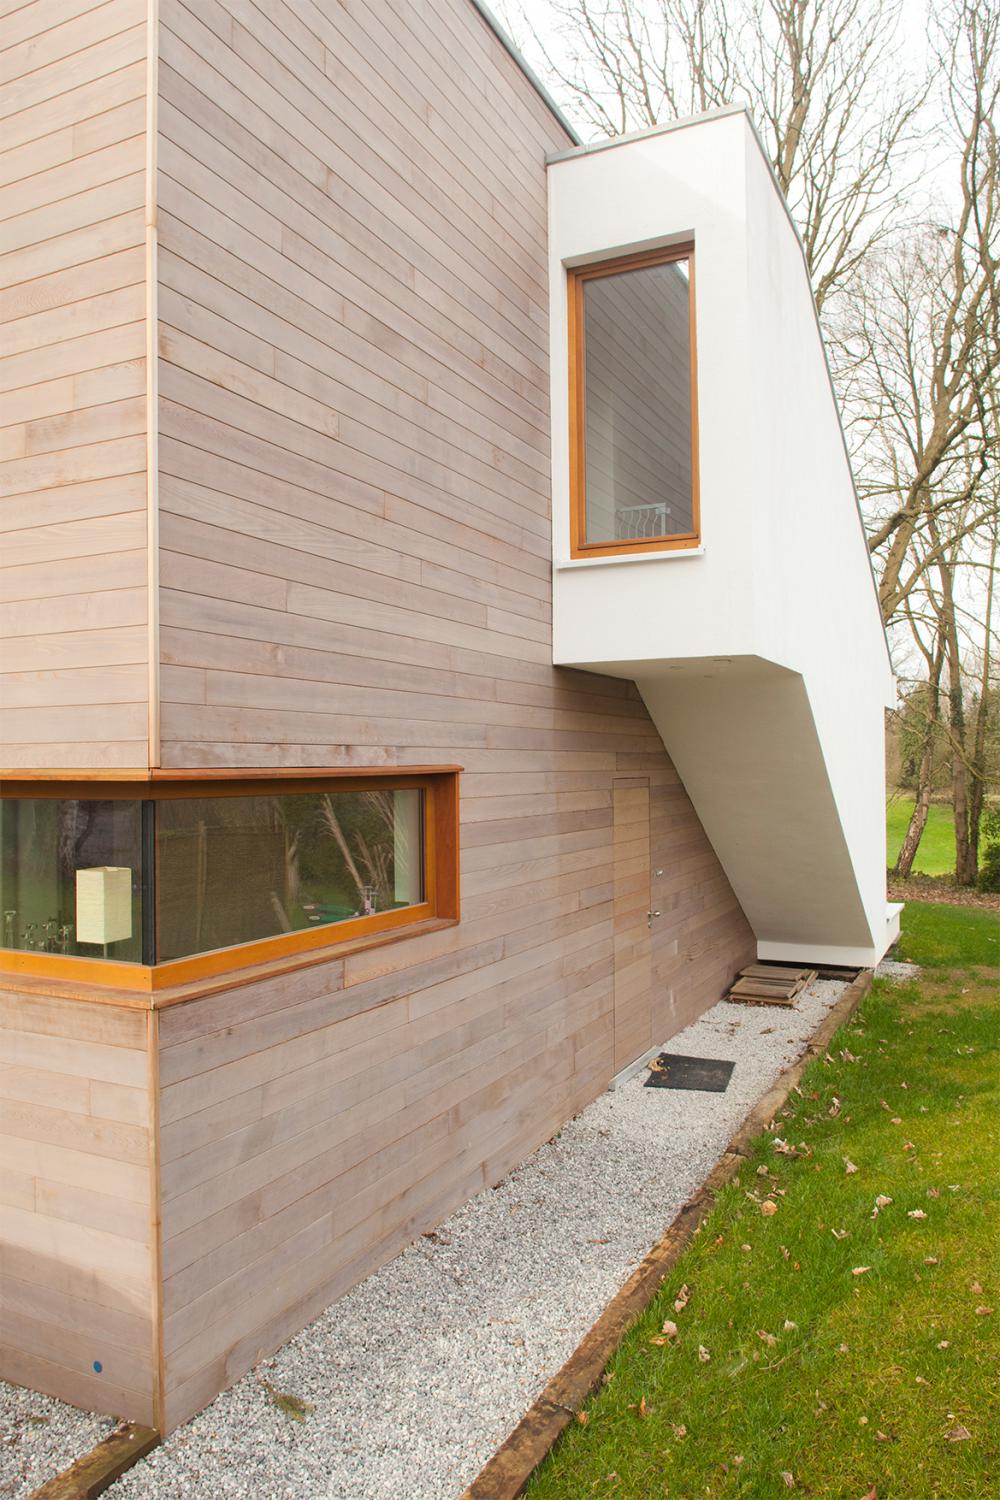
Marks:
<point>70,877</point>
<point>637,420</point>
<point>234,869</point>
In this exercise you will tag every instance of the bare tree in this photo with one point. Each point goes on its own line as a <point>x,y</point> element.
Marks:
<point>821,78</point>
<point>923,337</point>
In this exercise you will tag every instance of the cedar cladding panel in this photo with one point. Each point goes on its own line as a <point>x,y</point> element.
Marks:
<point>355,569</point>
<point>73,590</point>
<point>76,1248</point>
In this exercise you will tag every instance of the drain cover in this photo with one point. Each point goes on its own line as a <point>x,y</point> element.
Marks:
<point>672,1071</point>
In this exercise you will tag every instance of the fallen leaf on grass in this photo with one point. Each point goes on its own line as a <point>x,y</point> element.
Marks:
<point>983,1312</point>
<point>915,1213</point>
<point>909,1146</point>
<point>895,1120</point>
<point>670,1329</point>
<point>643,1408</point>
<point>975,1287</point>
<point>921,1381</point>
<point>860,1270</point>
<point>768,1338</point>
<point>958,1434</point>
<point>849,1166</point>
<point>680,1431</point>
<point>682,1299</point>
<point>840,1234</point>
<point>789,1478</point>
<point>583,1418</point>
<point>789,1325</point>
<point>703,1354</point>
<point>660,1341</point>
<point>944,1344</point>
<point>872,1494</point>
<point>931,1260</point>
<point>768,1207</point>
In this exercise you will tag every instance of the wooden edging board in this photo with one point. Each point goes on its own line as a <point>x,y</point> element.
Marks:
<point>97,1470</point>
<point>510,1468</point>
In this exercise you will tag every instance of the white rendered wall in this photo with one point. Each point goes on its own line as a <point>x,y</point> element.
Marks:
<point>780,743</point>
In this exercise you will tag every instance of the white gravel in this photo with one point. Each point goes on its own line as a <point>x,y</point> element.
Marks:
<point>897,971</point>
<point>40,1437</point>
<point>415,1377</point>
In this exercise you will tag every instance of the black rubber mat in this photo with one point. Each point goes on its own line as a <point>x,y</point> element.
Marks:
<point>672,1071</point>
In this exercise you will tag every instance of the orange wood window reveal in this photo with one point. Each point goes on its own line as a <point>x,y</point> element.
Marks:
<point>578,278</point>
<point>439,784</point>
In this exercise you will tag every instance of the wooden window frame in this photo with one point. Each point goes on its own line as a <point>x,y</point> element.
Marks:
<point>439,907</point>
<point>577,278</point>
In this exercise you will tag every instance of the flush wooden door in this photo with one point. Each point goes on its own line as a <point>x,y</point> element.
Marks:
<point>633,944</point>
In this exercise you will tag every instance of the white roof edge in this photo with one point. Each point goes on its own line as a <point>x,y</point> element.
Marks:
<point>608,143</point>
<point>724,112</point>
<point>526,68</point>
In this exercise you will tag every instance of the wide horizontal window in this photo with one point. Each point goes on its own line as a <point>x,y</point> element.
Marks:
<point>197,870</point>
<point>633,475</point>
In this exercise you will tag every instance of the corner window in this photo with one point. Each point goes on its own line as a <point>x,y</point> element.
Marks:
<point>191,878</point>
<point>633,421</point>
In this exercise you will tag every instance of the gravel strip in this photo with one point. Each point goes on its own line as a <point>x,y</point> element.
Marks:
<point>412,1380</point>
<point>39,1437</point>
<point>897,971</point>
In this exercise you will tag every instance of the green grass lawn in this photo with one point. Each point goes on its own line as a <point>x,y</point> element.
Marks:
<point>936,854</point>
<point>849,1353</point>
<point>935,934</point>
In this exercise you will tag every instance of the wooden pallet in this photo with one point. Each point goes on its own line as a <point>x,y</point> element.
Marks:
<point>769,984</point>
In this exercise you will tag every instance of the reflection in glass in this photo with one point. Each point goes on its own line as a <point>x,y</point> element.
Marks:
<point>235,869</point>
<point>70,877</point>
<point>637,423</point>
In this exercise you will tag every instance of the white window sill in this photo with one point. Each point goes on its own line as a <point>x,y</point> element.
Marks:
<point>667,555</point>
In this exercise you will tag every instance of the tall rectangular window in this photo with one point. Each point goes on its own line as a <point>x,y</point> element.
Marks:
<point>633,460</point>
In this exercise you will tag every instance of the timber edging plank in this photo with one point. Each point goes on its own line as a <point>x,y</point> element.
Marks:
<point>510,1468</point>
<point>97,1470</point>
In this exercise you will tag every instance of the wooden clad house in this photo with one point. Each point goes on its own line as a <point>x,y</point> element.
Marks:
<point>326,894</point>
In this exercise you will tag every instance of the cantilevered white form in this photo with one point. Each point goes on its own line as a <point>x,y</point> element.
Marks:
<point>758,644</point>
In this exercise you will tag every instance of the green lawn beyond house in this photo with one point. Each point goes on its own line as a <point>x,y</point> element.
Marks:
<point>936,854</point>
<point>845,1344</point>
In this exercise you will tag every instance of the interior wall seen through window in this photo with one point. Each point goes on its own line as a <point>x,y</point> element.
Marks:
<point>637,362</point>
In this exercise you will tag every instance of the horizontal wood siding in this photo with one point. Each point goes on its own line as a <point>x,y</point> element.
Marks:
<point>75,1190</point>
<point>73,572</point>
<point>356,569</point>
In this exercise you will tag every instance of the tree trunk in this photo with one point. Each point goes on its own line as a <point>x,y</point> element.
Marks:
<point>965,860</point>
<point>977,793</point>
<point>925,771</point>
